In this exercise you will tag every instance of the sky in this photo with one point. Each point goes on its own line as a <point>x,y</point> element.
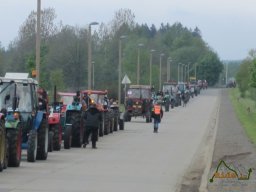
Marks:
<point>227,26</point>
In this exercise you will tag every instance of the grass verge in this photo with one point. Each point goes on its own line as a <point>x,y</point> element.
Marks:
<point>246,117</point>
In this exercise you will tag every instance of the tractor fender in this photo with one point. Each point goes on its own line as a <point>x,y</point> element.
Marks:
<point>38,119</point>
<point>54,118</point>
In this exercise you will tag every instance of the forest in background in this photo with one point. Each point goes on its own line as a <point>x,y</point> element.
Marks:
<point>64,52</point>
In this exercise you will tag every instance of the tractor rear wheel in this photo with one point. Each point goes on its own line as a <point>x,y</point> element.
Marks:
<point>2,146</point>
<point>6,153</point>
<point>77,132</point>
<point>67,136</point>
<point>50,141</point>
<point>32,146</point>
<point>42,149</point>
<point>121,124</point>
<point>14,139</point>
<point>56,137</point>
<point>116,123</point>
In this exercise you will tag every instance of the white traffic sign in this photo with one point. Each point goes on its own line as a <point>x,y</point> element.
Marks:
<point>126,80</point>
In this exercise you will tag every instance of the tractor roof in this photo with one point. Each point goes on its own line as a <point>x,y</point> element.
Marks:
<point>98,92</point>
<point>18,78</point>
<point>140,87</point>
<point>66,94</point>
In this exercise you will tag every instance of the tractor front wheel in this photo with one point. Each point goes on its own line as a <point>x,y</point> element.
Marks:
<point>32,146</point>
<point>67,136</point>
<point>56,137</point>
<point>42,150</point>
<point>14,139</point>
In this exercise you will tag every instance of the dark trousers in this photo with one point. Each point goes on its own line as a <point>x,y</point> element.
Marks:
<point>93,131</point>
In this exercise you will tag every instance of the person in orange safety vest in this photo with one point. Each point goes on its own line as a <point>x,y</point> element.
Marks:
<point>157,114</point>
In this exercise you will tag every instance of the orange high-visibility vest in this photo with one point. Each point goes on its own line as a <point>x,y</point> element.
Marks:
<point>157,109</point>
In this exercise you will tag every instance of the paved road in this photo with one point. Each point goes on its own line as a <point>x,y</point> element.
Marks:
<point>135,159</point>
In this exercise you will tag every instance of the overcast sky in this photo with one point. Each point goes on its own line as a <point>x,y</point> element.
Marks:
<point>228,26</point>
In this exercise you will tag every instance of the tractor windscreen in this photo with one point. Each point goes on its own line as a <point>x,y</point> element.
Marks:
<point>67,100</point>
<point>23,96</point>
<point>139,93</point>
<point>133,93</point>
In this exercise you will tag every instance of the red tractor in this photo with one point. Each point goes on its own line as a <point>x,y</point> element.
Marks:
<point>138,102</point>
<point>102,103</point>
<point>55,127</point>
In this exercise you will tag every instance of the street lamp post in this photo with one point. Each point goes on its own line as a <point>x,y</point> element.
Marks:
<point>138,63</point>
<point>188,72</point>
<point>185,73</point>
<point>195,70</point>
<point>150,67</point>
<point>182,73</point>
<point>93,74</point>
<point>179,71</point>
<point>160,71</point>
<point>38,40</point>
<point>90,56</point>
<point>120,68</point>
<point>168,75</point>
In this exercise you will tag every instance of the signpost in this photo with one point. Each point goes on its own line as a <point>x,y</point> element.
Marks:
<point>126,81</point>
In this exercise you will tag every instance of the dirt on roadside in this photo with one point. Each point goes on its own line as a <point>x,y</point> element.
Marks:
<point>234,154</point>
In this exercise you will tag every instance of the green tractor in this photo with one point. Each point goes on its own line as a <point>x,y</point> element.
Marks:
<point>24,106</point>
<point>71,120</point>
<point>3,144</point>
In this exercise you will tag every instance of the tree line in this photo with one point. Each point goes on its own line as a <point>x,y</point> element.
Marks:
<point>246,75</point>
<point>64,52</point>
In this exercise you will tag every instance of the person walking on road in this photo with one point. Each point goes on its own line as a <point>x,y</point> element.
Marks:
<point>157,114</point>
<point>92,121</point>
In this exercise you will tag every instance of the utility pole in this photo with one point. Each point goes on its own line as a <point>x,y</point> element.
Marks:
<point>120,68</point>
<point>90,56</point>
<point>138,63</point>
<point>150,67</point>
<point>38,40</point>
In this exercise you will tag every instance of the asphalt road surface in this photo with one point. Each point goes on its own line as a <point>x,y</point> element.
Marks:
<point>135,159</point>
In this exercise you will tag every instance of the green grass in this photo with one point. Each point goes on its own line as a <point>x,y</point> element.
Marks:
<point>247,119</point>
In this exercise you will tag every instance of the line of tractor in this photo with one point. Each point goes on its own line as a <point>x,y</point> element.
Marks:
<point>28,122</point>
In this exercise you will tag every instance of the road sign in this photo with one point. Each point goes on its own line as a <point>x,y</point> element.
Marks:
<point>126,80</point>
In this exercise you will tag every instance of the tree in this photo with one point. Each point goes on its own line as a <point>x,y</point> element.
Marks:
<point>210,68</point>
<point>243,78</point>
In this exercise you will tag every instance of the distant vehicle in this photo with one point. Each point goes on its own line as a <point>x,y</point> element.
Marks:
<point>231,83</point>
<point>170,91</point>
<point>138,102</point>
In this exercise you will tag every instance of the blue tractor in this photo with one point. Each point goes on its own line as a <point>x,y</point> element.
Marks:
<point>73,124</point>
<point>26,116</point>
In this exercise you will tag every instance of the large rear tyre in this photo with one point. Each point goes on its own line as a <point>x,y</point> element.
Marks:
<point>2,146</point>
<point>101,132</point>
<point>77,130</point>
<point>67,136</point>
<point>42,149</point>
<point>6,153</point>
<point>57,137</point>
<point>121,124</point>
<point>50,141</point>
<point>116,124</point>
<point>14,139</point>
<point>32,146</point>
